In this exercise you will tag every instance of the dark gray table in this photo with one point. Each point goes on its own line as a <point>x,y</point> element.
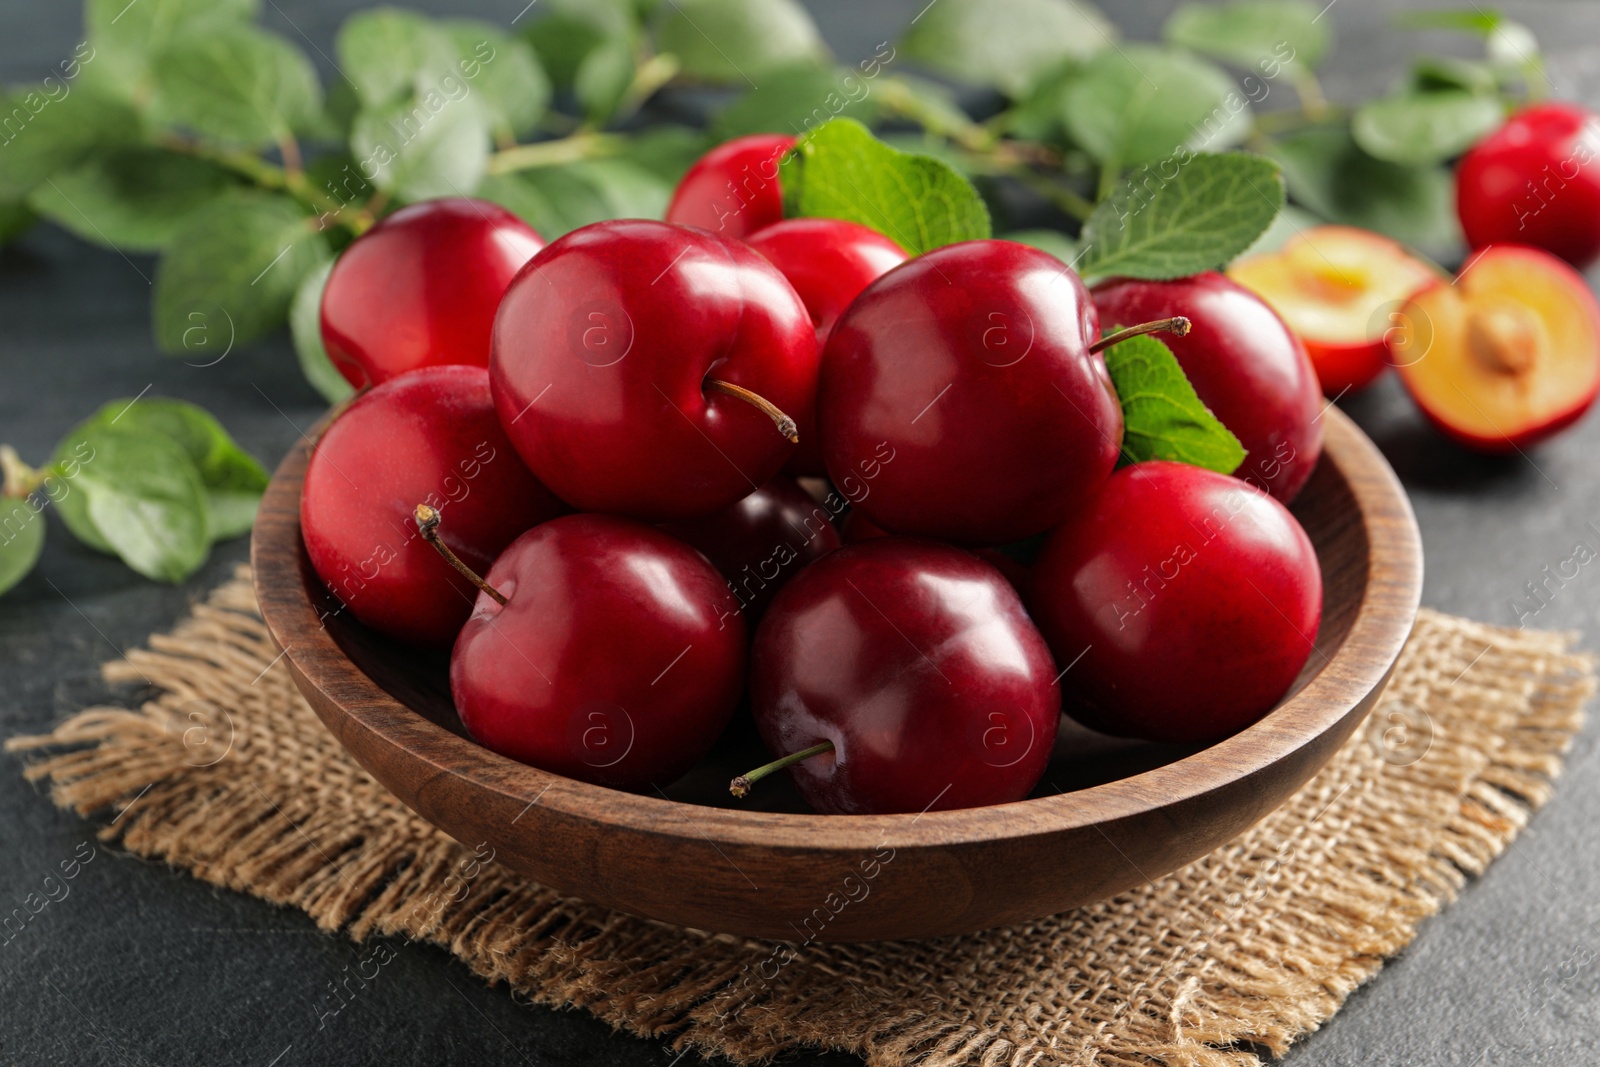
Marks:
<point>141,964</point>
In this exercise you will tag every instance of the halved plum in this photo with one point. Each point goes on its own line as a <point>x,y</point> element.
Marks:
<point>1332,284</point>
<point>1507,354</point>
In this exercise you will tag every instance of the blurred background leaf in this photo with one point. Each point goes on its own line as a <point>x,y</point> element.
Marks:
<point>736,41</point>
<point>1006,44</point>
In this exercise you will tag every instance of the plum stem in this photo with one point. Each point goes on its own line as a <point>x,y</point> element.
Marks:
<point>782,421</point>
<point>428,527</point>
<point>740,786</point>
<point>1177,325</point>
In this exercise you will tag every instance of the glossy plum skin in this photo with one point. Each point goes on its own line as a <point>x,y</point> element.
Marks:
<point>1245,364</point>
<point>602,348</point>
<point>1012,570</point>
<point>972,362</point>
<point>1197,597</point>
<point>762,541</point>
<point>919,663</point>
<point>421,288</point>
<point>427,437</point>
<point>618,658</point>
<point>829,262</point>
<point>733,190</point>
<point>1536,181</point>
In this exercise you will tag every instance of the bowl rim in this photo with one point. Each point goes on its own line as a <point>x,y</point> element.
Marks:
<point>1382,623</point>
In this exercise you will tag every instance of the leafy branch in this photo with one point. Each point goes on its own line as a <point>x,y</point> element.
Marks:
<point>183,128</point>
<point>153,481</point>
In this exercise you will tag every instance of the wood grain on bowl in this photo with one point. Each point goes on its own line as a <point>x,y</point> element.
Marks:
<point>687,856</point>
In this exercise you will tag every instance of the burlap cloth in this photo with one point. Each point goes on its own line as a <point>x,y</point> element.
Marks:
<point>226,773</point>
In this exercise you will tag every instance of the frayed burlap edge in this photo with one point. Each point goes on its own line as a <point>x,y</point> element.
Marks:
<point>226,773</point>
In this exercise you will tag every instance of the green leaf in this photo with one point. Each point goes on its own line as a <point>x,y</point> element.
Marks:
<point>1330,175</point>
<point>919,201</point>
<point>504,74</point>
<point>927,145</point>
<point>664,151</point>
<point>556,200</point>
<point>230,272</point>
<point>1038,115</point>
<point>15,218</point>
<point>21,540</point>
<point>1432,73</point>
<point>125,38</point>
<point>1476,20</point>
<point>337,176</point>
<point>562,43</point>
<point>1161,415</point>
<point>923,101</point>
<point>45,129</point>
<point>1211,208</point>
<point>796,99</point>
<point>305,326</point>
<point>1512,48</point>
<point>137,495</point>
<point>425,147</point>
<point>571,29</point>
<point>1142,103</point>
<point>233,479</point>
<point>603,79</point>
<point>1008,44</point>
<point>1257,35</point>
<point>238,84</point>
<point>341,107</point>
<point>434,92</point>
<point>553,200</point>
<point>389,54</point>
<point>71,504</point>
<point>738,40</point>
<point>634,182</point>
<point>1418,128</point>
<point>133,199</point>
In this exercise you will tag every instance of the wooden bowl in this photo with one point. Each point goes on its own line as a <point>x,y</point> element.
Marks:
<point>1109,814</point>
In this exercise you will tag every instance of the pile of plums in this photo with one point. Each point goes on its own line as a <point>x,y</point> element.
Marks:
<point>656,470</point>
